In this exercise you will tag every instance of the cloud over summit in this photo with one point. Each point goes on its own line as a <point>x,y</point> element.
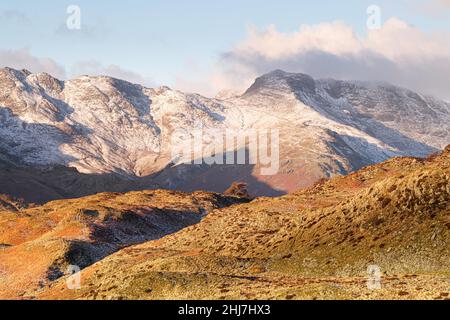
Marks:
<point>397,53</point>
<point>23,59</point>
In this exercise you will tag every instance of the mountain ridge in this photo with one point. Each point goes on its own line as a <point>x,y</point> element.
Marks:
<point>102,125</point>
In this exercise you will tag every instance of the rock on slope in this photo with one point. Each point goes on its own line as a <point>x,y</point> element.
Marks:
<point>313,244</point>
<point>107,127</point>
<point>38,244</point>
<point>10,204</point>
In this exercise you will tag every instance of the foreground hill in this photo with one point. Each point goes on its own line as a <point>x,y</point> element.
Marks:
<point>38,244</point>
<point>118,135</point>
<point>313,244</point>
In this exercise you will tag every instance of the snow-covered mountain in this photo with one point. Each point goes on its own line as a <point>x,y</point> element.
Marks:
<point>104,126</point>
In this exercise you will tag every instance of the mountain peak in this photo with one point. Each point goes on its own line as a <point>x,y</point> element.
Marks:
<point>281,74</point>
<point>277,73</point>
<point>283,81</point>
<point>11,72</point>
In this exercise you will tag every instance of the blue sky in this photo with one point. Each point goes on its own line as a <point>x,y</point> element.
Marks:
<point>166,40</point>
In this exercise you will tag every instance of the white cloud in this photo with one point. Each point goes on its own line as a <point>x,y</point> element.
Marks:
<point>436,8</point>
<point>22,59</point>
<point>397,53</point>
<point>93,67</point>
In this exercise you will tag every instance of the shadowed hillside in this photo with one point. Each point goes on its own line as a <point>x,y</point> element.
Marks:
<point>38,244</point>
